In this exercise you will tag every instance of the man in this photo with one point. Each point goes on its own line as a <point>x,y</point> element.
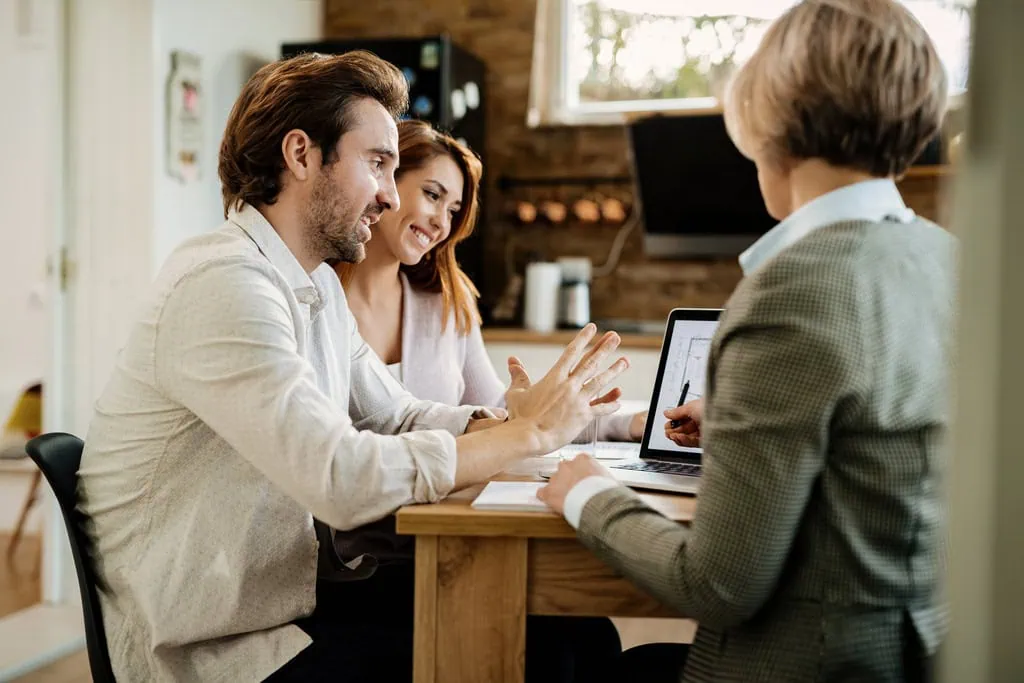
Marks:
<point>245,404</point>
<point>815,551</point>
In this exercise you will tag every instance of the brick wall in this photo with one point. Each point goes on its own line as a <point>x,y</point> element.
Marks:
<point>500,32</point>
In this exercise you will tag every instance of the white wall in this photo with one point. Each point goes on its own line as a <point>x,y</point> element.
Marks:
<point>104,181</point>
<point>117,158</point>
<point>28,80</point>
<point>126,212</point>
<point>233,38</point>
<point>110,186</point>
<point>637,383</point>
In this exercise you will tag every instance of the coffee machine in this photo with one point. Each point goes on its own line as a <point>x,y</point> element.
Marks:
<point>574,293</point>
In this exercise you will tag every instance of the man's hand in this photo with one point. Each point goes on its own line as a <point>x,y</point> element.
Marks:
<point>683,426</point>
<point>559,405</point>
<point>569,473</point>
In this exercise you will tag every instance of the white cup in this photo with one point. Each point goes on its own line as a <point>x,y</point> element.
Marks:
<point>540,309</point>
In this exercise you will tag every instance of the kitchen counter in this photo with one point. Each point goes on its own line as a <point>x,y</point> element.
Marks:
<point>518,335</point>
<point>538,352</point>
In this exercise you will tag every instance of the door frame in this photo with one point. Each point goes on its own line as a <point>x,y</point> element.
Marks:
<point>56,416</point>
<point>99,260</point>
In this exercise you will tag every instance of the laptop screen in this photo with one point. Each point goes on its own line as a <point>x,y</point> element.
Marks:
<point>682,375</point>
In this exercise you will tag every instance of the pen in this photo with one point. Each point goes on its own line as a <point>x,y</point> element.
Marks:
<point>682,400</point>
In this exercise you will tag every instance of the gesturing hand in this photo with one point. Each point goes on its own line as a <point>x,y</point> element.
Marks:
<point>569,396</point>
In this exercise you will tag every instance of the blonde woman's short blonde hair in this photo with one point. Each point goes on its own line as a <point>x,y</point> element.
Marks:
<point>857,83</point>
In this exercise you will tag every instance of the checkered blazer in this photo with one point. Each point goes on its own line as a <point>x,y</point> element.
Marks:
<point>816,551</point>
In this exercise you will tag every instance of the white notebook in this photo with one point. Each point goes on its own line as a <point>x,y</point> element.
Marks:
<point>511,496</point>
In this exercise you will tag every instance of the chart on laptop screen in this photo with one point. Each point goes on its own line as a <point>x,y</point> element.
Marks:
<point>685,374</point>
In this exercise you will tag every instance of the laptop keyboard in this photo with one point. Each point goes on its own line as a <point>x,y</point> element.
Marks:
<point>661,467</point>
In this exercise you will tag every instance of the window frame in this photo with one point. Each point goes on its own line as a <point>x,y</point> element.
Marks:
<point>552,104</point>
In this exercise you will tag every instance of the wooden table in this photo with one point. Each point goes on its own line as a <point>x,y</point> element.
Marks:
<point>479,573</point>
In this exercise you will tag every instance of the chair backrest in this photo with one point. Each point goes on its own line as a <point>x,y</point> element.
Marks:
<point>58,456</point>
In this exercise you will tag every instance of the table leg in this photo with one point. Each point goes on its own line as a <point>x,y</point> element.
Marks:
<point>470,609</point>
<point>424,637</point>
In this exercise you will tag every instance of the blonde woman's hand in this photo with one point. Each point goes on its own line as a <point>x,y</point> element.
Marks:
<point>683,426</point>
<point>568,474</point>
<point>637,425</point>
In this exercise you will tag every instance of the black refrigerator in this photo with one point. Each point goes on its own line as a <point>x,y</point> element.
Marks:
<point>447,89</point>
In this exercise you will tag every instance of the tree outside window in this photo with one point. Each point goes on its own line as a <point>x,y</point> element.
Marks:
<point>640,53</point>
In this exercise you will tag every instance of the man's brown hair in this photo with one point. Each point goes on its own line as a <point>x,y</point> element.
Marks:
<point>857,83</point>
<point>310,92</point>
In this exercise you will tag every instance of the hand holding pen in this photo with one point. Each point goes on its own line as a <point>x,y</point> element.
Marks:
<point>683,427</point>
<point>682,400</point>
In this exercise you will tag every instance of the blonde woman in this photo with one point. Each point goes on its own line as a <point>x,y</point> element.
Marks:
<point>815,551</point>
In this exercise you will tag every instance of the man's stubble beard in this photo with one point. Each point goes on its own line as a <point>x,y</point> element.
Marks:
<point>332,225</point>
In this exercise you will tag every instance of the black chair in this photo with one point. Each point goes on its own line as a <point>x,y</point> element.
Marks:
<point>58,457</point>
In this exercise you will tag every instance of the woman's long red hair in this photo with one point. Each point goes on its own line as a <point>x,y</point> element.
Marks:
<point>439,271</point>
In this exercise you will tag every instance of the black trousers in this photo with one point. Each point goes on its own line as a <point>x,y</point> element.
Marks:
<point>654,663</point>
<point>362,633</point>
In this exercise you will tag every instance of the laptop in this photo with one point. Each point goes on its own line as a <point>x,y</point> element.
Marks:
<point>664,466</point>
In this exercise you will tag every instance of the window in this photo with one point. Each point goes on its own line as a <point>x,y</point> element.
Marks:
<point>596,61</point>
